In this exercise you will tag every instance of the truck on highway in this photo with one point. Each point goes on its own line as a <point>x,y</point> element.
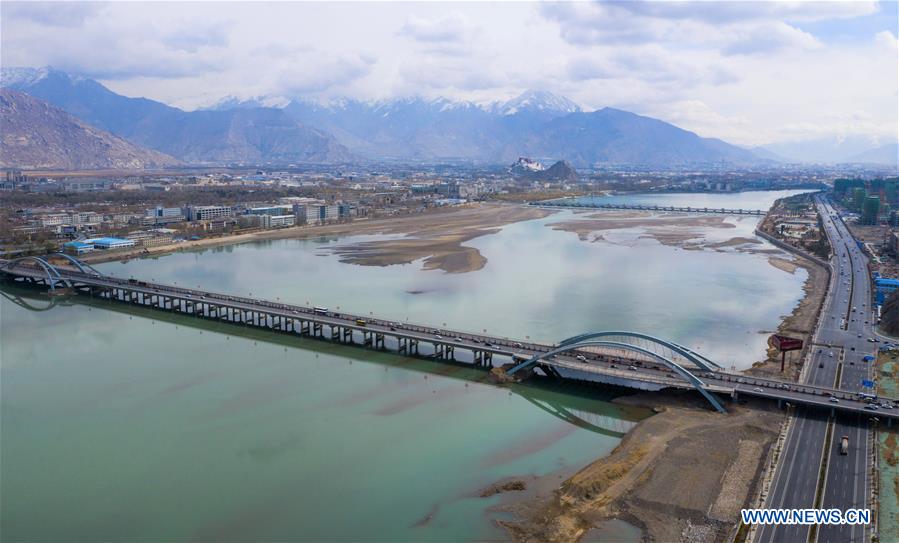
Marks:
<point>360,322</point>
<point>320,310</point>
<point>844,445</point>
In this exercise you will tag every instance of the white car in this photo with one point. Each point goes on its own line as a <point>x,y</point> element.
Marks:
<point>834,400</point>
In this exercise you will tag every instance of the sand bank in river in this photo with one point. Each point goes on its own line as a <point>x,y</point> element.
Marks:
<point>437,236</point>
<point>665,477</point>
<point>671,229</point>
<point>439,242</point>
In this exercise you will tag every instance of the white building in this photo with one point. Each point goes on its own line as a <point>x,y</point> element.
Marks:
<point>56,219</point>
<point>316,213</point>
<point>206,213</point>
<point>281,221</point>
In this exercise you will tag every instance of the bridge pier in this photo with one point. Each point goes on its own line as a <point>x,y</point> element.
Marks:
<point>379,341</point>
<point>348,335</point>
<point>483,358</point>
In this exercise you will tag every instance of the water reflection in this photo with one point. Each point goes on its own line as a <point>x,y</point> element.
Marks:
<point>562,400</point>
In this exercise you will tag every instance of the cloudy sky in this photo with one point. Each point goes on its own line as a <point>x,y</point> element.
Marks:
<point>747,72</point>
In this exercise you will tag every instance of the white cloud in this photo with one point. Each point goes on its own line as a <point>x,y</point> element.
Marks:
<point>768,38</point>
<point>748,72</point>
<point>453,28</point>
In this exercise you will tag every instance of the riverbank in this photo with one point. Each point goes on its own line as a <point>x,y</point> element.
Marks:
<point>887,439</point>
<point>437,236</point>
<point>799,323</point>
<point>682,474</point>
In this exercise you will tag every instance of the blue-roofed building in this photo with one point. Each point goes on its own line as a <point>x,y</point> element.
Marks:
<point>106,244</point>
<point>77,247</point>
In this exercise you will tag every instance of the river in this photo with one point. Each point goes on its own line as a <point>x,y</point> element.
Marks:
<point>123,424</point>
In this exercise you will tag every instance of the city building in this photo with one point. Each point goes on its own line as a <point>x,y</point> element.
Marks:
<point>86,184</point>
<point>151,238</point>
<point>106,244</point>
<point>55,219</point>
<point>271,210</point>
<point>77,247</point>
<point>207,213</point>
<point>281,221</point>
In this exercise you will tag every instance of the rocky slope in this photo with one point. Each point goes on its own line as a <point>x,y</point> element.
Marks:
<point>244,135</point>
<point>36,135</point>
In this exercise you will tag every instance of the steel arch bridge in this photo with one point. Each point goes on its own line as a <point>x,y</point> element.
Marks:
<point>53,275</point>
<point>658,350</point>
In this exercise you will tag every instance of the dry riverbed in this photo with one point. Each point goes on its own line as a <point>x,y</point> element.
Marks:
<point>680,475</point>
<point>437,236</point>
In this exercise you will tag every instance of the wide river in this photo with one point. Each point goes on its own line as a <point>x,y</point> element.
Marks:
<point>121,424</point>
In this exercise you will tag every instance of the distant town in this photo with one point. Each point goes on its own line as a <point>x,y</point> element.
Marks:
<point>82,213</point>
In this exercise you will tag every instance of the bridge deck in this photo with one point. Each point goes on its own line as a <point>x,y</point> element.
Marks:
<point>443,343</point>
<point>639,207</point>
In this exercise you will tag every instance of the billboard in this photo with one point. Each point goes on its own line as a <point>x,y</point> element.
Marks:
<point>785,343</point>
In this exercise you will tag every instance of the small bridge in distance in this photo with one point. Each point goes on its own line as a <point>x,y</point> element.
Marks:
<point>644,207</point>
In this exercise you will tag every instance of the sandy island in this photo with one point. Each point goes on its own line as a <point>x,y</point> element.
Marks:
<point>437,236</point>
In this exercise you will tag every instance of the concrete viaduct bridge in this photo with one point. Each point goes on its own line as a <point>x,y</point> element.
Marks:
<point>622,358</point>
<point>639,207</point>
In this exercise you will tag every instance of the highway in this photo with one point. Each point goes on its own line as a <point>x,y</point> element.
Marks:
<point>841,341</point>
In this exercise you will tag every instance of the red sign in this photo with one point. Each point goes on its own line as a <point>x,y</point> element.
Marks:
<point>784,343</point>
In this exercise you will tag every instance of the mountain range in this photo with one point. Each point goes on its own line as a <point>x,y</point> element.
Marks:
<point>40,136</point>
<point>275,130</point>
<point>842,149</point>
<point>239,135</point>
<point>536,123</point>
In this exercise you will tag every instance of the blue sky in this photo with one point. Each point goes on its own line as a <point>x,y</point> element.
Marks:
<point>747,72</point>
<point>835,31</point>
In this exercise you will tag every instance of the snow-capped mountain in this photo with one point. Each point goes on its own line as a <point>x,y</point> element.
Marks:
<point>536,100</point>
<point>233,102</point>
<point>12,77</point>
<point>535,124</point>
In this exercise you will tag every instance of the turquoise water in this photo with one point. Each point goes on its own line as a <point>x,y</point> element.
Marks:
<point>125,424</point>
<point>120,427</point>
<point>737,200</point>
